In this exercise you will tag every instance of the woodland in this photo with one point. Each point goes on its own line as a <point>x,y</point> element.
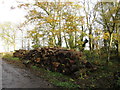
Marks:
<point>80,40</point>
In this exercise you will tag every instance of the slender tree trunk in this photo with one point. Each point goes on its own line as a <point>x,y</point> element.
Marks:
<point>22,39</point>
<point>71,41</point>
<point>14,46</point>
<point>75,39</point>
<point>105,43</point>
<point>28,48</point>
<point>54,40</point>
<point>8,49</point>
<point>90,39</point>
<point>14,42</point>
<point>119,43</point>
<point>119,47</point>
<point>65,40</point>
<point>82,33</point>
<point>59,37</point>
<point>109,48</point>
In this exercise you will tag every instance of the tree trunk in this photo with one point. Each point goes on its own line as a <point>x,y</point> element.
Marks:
<point>28,47</point>
<point>82,33</point>
<point>59,37</point>
<point>109,48</point>
<point>105,44</point>
<point>75,39</point>
<point>22,39</point>
<point>14,46</point>
<point>119,45</point>
<point>90,38</point>
<point>66,41</point>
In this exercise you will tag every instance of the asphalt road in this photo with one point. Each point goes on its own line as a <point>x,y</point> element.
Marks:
<point>13,77</point>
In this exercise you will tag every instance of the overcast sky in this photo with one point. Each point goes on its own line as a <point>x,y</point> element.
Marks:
<point>14,15</point>
<point>10,13</point>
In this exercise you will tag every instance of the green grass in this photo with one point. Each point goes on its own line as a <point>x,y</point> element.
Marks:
<point>10,57</point>
<point>14,58</point>
<point>66,84</point>
<point>102,77</point>
<point>35,67</point>
<point>57,78</point>
<point>55,74</point>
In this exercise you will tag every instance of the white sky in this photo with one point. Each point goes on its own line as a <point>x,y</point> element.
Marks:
<point>16,15</point>
<point>10,15</point>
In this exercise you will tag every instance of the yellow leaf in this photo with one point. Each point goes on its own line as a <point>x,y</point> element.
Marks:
<point>106,35</point>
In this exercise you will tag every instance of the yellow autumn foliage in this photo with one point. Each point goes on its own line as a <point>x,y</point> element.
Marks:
<point>116,36</point>
<point>106,35</point>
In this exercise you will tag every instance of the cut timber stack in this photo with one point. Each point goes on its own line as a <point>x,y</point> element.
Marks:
<point>20,53</point>
<point>55,59</point>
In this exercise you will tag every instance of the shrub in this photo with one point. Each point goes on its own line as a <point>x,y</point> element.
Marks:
<point>118,82</point>
<point>91,55</point>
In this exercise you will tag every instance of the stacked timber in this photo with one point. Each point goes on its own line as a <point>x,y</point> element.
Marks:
<point>55,59</point>
<point>20,53</point>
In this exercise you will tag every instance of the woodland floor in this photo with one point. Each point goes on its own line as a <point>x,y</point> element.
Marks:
<point>16,75</point>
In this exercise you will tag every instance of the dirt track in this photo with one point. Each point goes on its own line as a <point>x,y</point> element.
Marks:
<point>13,77</point>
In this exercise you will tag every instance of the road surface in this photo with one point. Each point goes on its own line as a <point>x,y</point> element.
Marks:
<point>13,77</point>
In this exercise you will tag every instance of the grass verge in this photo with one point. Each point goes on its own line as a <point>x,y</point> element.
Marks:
<point>100,78</point>
<point>10,57</point>
<point>57,79</point>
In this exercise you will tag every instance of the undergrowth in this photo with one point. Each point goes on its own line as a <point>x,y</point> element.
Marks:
<point>57,78</point>
<point>101,78</point>
<point>10,57</point>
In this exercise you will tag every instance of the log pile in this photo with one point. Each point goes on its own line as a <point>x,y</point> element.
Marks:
<point>55,59</point>
<point>20,53</point>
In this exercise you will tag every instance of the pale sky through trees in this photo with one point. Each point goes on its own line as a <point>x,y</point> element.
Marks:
<point>10,12</point>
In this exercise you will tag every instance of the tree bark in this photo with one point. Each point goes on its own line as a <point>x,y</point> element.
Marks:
<point>110,46</point>
<point>119,45</point>
<point>90,39</point>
